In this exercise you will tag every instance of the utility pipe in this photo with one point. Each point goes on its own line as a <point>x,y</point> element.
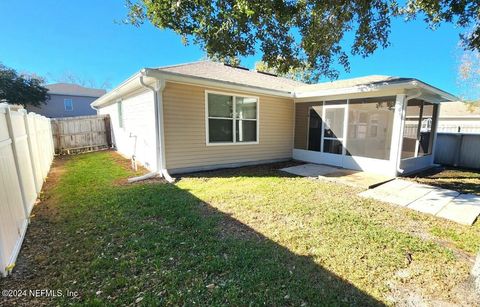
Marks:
<point>400,139</point>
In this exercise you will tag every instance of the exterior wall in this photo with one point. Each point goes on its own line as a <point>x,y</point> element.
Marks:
<point>185,135</point>
<point>55,107</point>
<point>137,137</point>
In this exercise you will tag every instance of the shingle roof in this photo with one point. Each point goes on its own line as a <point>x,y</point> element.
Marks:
<point>221,72</point>
<point>74,90</point>
<point>373,79</point>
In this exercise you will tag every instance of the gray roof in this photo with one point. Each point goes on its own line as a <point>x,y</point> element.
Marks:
<point>372,79</point>
<point>74,90</point>
<point>221,72</point>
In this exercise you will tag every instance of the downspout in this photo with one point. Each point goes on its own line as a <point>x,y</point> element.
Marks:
<point>159,132</point>
<point>400,139</point>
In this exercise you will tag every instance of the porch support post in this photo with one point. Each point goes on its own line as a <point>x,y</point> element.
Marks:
<point>397,132</point>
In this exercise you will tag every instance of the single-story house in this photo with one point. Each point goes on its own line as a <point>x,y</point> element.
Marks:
<point>459,116</point>
<point>68,100</point>
<point>207,115</point>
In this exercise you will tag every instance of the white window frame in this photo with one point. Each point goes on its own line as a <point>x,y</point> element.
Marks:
<point>234,138</point>
<point>65,106</point>
<point>120,117</point>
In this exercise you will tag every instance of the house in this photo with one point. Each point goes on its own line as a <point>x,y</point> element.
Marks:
<point>207,115</point>
<point>459,116</point>
<point>67,100</point>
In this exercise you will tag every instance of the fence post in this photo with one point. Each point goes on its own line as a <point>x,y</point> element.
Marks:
<point>30,148</point>
<point>15,159</point>
<point>458,153</point>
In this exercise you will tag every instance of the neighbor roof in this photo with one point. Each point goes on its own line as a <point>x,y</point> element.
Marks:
<point>74,90</point>
<point>460,109</point>
<point>221,72</point>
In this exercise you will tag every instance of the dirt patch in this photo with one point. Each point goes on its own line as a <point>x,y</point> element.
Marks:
<point>34,259</point>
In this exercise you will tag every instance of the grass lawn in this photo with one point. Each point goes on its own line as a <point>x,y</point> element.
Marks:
<point>462,180</point>
<point>248,236</point>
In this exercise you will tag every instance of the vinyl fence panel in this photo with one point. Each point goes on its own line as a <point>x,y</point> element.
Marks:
<point>458,149</point>
<point>26,153</point>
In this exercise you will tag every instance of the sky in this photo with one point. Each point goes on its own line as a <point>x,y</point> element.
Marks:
<point>83,37</point>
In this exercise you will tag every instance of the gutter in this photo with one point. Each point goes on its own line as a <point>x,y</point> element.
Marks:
<point>159,131</point>
<point>414,84</point>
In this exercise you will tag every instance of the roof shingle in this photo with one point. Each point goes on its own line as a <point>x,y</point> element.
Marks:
<point>74,90</point>
<point>220,72</point>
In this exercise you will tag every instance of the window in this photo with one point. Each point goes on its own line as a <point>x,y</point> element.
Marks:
<point>68,104</point>
<point>120,113</point>
<point>231,119</point>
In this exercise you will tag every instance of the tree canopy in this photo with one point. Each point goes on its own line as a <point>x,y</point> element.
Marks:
<point>20,88</point>
<point>303,34</point>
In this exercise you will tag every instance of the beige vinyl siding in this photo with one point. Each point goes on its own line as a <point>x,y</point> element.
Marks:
<point>185,135</point>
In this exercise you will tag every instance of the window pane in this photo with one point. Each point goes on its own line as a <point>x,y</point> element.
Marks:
<point>370,123</point>
<point>425,147</point>
<point>410,130</point>
<point>68,104</point>
<point>246,108</point>
<point>220,130</point>
<point>220,105</point>
<point>315,128</point>
<point>246,130</point>
<point>334,122</point>
<point>332,146</point>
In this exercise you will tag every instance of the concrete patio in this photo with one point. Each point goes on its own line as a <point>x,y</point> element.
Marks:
<point>444,203</point>
<point>349,177</point>
<point>448,204</point>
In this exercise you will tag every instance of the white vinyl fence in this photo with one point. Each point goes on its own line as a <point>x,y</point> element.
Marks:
<point>26,153</point>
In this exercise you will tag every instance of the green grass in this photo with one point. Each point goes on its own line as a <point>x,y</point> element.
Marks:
<point>462,180</point>
<point>250,236</point>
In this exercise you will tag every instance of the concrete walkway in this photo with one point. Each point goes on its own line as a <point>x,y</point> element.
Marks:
<point>448,204</point>
<point>353,178</point>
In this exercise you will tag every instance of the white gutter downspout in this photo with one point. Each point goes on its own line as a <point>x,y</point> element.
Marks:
<point>159,132</point>
<point>400,139</point>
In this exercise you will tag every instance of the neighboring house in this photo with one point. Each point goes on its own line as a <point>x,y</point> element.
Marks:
<point>459,116</point>
<point>67,100</point>
<point>207,115</point>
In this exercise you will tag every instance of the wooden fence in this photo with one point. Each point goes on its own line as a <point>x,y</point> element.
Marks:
<point>26,153</point>
<point>81,133</point>
<point>458,149</point>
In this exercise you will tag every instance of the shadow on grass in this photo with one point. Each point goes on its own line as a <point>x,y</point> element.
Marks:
<point>159,244</point>
<point>461,180</point>
<point>261,170</point>
<point>206,256</point>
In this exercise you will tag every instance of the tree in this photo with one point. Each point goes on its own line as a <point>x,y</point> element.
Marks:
<point>21,88</point>
<point>469,76</point>
<point>303,74</point>
<point>290,34</point>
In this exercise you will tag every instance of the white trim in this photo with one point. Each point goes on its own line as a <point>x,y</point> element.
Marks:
<point>233,119</point>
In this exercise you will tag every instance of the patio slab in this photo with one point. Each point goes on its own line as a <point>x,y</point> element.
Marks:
<point>398,192</point>
<point>448,204</point>
<point>353,178</point>
<point>464,209</point>
<point>434,201</point>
